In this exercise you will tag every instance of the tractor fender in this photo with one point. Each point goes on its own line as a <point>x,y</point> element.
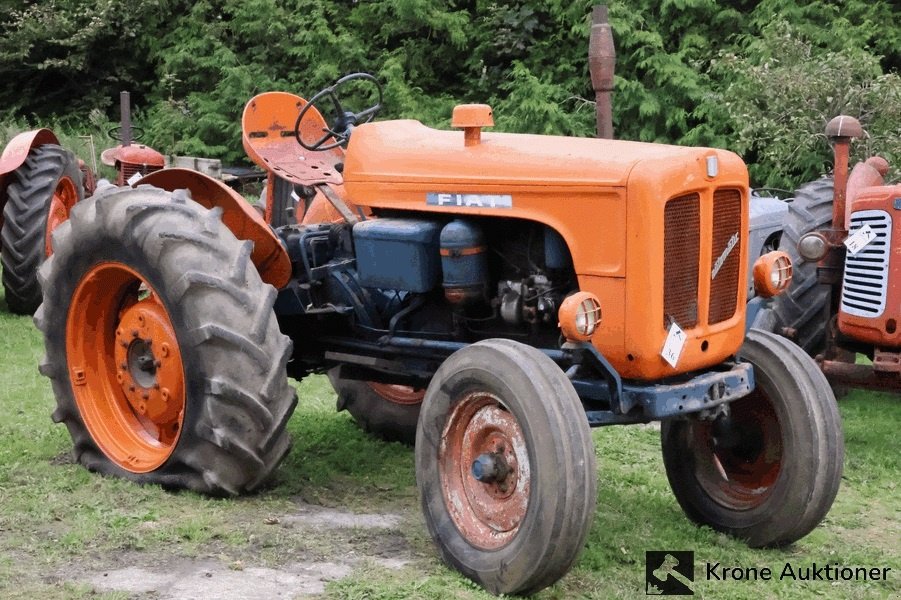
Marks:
<point>269,254</point>
<point>16,152</point>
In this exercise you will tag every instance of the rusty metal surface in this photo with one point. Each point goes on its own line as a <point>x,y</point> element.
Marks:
<point>269,256</point>
<point>268,136</point>
<point>681,258</point>
<point>724,283</point>
<point>601,65</point>
<point>487,513</point>
<point>885,361</point>
<point>862,376</point>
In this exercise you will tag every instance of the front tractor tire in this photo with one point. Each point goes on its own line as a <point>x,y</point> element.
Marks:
<point>770,476</point>
<point>389,412</point>
<point>162,346</point>
<point>43,191</point>
<point>505,466</point>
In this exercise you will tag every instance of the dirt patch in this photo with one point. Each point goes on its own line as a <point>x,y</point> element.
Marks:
<point>320,517</point>
<point>150,575</point>
<point>189,579</point>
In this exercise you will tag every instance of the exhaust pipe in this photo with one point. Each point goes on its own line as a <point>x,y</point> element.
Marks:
<point>125,118</point>
<point>601,65</point>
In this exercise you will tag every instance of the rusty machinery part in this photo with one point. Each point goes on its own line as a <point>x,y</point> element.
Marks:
<point>269,255</point>
<point>387,411</point>
<point>267,133</point>
<point>343,120</point>
<point>42,192</point>
<point>802,312</point>
<point>507,479</point>
<point>162,346</point>
<point>768,469</point>
<point>601,66</point>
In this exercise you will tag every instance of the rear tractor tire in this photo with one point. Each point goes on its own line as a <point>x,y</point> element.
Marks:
<point>389,412</point>
<point>802,312</point>
<point>770,475</point>
<point>162,346</point>
<point>43,191</point>
<point>505,467</point>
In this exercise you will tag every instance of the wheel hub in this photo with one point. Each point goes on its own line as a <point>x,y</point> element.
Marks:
<point>740,456</point>
<point>147,380</point>
<point>485,470</point>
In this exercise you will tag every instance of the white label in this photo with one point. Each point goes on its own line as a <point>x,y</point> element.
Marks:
<point>861,238</point>
<point>672,348</point>
<point>135,178</point>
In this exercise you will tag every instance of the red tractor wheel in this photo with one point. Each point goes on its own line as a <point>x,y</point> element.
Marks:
<point>387,411</point>
<point>769,474</point>
<point>43,191</point>
<point>162,346</point>
<point>505,466</point>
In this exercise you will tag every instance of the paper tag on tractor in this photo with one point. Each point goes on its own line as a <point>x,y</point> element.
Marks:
<point>672,348</point>
<point>860,239</point>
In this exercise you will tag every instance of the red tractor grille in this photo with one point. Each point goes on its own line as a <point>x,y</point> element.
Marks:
<point>681,255</point>
<point>726,255</point>
<point>128,169</point>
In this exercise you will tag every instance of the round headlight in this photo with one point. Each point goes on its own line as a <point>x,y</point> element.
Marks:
<point>813,246</point>
<point>579,315</point>
<point>772,274</point>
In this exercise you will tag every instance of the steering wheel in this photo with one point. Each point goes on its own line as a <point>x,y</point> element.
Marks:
<point>344,120</point>
<point>116,133</point>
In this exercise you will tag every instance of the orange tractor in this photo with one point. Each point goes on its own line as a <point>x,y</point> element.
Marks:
<point>844,233</point>
<point>491,296</point>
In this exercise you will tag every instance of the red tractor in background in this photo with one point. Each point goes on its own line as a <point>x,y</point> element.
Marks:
<point>131,161</point>
<point>844,236</point>
<point>40,182</point>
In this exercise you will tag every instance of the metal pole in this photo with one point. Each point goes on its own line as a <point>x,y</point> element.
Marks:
<point>125,116</point>
<point>601,65</point>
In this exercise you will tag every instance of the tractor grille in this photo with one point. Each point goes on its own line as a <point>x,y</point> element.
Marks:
<point>866,274</point>
<point>726,255</point>
<point>129,169</point>
<point>681,254</point>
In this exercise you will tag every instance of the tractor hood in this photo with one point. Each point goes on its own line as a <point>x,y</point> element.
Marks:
<point>406,151</point>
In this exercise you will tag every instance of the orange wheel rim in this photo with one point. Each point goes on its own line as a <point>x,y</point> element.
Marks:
<point>481,435</point>
<point>398,394</point>
<point>125,367</point>
<point>64,198</point>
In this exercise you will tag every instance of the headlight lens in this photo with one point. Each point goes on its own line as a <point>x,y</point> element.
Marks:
<point>579,316</point>
<point>772,274</point>
<point>813,246</point>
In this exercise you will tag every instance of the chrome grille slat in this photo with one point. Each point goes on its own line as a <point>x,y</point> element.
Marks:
<point>865,283</point>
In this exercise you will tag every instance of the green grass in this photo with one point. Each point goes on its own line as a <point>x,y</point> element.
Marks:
<point>58,522</point>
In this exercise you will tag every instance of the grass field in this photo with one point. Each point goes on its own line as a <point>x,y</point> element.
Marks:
<point>349,502</point>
